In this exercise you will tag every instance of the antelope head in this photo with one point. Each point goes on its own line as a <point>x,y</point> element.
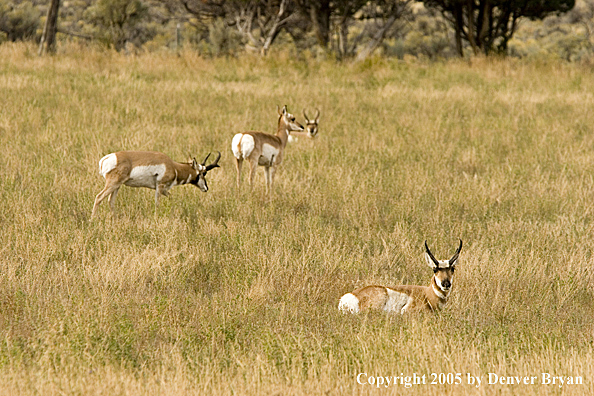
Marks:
<point>311,126</point>
<point>201,170</point>
<point>443,269</point>
<point>289,120</point>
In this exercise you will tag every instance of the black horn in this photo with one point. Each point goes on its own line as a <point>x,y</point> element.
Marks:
<point>215,164</point>
<point>455,256</point>
<point>431,255</point>
<point>306,117</point>
<point>317,117</point>
<point>204,162</point>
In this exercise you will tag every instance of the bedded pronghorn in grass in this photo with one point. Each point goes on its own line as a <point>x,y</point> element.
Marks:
<point>149,169</point>
<point>311,127</point>
<point>264,149</point>
<point>406,298</point>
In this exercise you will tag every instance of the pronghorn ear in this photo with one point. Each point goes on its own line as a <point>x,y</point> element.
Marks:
<point>278,110</point>
<point>430,262</point>
<point>194,163</point>
<point>284,109</point>
<point>452,263</point>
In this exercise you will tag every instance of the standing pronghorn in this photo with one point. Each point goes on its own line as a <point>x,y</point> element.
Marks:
<point>311,127</point>
<point>264,149</point>
<point>148,169</point>
<point>405,297</point>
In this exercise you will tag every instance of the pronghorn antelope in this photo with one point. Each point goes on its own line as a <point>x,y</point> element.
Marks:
<point>311,127</point>
<point>148,169</point>
<point>264,149</point>
<point>405,298</point>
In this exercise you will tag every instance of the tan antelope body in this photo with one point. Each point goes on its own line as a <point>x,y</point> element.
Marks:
<point>264,149</point>
<point>148,169</point>
<point>406,298</point>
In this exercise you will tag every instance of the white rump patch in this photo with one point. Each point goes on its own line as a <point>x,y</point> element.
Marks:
<point>235,145</point>
<point>242,145</point>
<point>107,164</point>
<point>267,152</point>
<point>349,303</point>
<point>146,176</point>
<point>397,301</point>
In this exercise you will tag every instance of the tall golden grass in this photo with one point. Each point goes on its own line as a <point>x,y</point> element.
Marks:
<point>235,292</point>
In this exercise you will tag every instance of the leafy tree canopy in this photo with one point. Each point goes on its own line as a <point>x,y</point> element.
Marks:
<point>488,25</point>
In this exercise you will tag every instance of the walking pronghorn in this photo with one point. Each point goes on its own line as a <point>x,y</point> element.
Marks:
<point>311,127</point>
<point>405,298</point>
<point>148,169</point>
<point>264,149</point>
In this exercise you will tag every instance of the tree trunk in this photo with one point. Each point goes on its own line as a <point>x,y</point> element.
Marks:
<point>459,26</point>
<point>319,14</point>
<point>48,38</point>
<point>275,29</point>
<point>343,37</point>
<point>471,26</point>
<point>376,41</point>
<point>483,26</point>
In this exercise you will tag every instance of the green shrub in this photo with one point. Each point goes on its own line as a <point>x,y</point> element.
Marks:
<point>18,21</point>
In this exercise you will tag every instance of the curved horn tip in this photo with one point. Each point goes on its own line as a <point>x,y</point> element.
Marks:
<point>215,163</point>
<point>204,162</point>
<point>459,247</point>
<point>457,254</point>
<point>426,247</point>
<point>431,255</point>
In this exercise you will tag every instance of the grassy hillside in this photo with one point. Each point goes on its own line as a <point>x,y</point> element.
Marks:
<point>236,293</point>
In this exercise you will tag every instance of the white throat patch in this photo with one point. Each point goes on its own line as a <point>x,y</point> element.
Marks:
<point>438,292</point>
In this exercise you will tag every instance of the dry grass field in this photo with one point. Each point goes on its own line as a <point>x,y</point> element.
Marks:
<point>230,292</point>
